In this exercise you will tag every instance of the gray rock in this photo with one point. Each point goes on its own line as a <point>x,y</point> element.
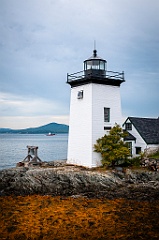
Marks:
<point>67,180</point>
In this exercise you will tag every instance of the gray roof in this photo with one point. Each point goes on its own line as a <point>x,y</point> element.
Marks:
<point>129,137</point>
<point>95,57</point>
<point>148,128</point>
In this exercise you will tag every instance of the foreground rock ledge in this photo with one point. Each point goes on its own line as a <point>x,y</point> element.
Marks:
<point>77,181</point>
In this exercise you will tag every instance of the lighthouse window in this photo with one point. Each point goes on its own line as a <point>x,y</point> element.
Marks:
<point>80,94</point>
<point>106,114</point>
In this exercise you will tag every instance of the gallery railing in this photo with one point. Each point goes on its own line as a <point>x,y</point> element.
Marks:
<point>95,74</point>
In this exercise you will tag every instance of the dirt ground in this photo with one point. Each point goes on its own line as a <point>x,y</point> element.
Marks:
<point>51,218</point>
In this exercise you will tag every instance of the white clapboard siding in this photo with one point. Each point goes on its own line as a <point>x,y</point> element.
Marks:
<point>87,121</point>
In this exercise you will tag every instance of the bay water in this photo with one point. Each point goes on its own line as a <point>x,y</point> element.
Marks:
<point>13,147</point>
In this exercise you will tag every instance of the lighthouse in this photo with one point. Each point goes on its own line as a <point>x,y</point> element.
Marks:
<point>95,107</point>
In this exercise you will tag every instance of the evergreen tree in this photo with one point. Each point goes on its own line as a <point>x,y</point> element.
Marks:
<point>112,147</point>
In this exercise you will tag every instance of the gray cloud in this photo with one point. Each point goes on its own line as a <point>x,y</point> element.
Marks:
<point>40,41</point>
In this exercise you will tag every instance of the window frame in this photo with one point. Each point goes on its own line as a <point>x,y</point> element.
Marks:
<point>130,147</point>
<point>138,150</point>
<point>128,126</point>
<point>106,114</point>
<point>80,94</point>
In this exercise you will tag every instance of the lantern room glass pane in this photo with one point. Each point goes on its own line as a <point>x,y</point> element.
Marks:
<point>95,64</point>
<point>88,65</point>
<point>102,65</point>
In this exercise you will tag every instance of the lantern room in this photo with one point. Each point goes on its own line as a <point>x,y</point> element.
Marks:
<point>95,65</point>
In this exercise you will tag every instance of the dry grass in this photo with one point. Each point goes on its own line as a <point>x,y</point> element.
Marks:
<point>46,217</point>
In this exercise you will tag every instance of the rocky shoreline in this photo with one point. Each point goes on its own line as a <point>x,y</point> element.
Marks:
<point>60,179</point>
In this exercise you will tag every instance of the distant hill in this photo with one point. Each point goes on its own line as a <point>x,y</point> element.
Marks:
<point>6,130</point>
<point>49,128</point>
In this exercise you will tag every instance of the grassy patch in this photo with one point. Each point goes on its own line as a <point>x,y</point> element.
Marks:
<point>155,155</point>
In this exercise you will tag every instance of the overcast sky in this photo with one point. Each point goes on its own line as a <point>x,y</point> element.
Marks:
<point>42,40</point>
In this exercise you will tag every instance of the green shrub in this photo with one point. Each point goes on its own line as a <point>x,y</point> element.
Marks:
<point>136,161</point>
<point>112,147</point>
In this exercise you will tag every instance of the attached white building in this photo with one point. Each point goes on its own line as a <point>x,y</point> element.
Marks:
<point>143,134</point>
<point>95,107</point>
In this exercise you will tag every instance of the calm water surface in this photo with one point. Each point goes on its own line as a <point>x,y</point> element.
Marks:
<point>13,147</point>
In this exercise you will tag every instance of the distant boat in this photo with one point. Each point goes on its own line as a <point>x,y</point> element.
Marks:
<point>50,134</point>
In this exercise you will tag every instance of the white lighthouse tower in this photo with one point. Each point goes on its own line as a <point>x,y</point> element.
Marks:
<point>95,107</point>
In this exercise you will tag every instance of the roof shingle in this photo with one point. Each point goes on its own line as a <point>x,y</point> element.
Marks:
<point>148,128</point>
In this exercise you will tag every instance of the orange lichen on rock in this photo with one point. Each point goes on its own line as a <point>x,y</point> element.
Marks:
<point>46,217</point>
